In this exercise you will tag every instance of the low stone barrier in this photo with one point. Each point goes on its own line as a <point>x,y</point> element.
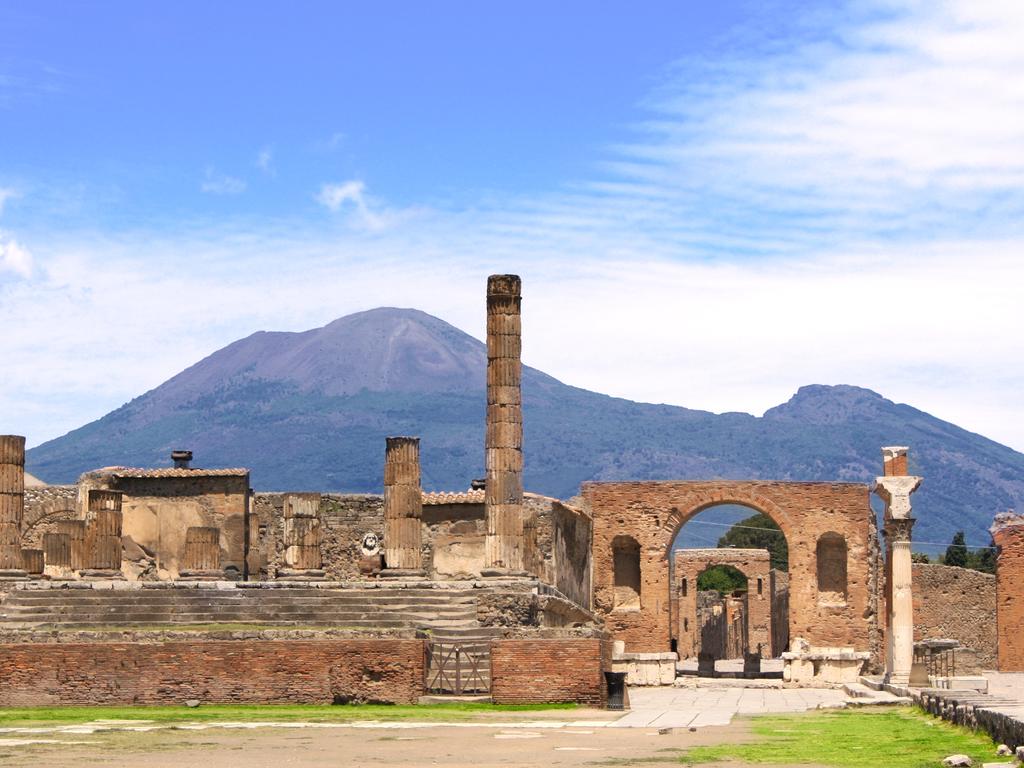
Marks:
<point>1000,718</point>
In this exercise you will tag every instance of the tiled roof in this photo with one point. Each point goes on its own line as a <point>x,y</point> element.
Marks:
<point>134,472</point>
<point>457,497</point>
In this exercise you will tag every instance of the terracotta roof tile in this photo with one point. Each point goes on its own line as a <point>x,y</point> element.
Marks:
<point>134,472</point>
<point>454,497</point>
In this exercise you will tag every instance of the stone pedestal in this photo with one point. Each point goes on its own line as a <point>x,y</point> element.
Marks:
<point>12,505</point>
<point>403,509</point>
<point>503,499</point>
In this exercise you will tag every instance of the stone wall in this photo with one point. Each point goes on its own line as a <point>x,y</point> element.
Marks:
<point>550,671</point>
<point>159,506</point>
<point>44,508</point>
<point>344,518</point>
<point>570,552</point>
<point>958,604</point>
<point>260,671</point>
<point>653,512</point>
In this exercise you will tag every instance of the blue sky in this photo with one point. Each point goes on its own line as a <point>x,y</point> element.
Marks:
<point>710,204</point>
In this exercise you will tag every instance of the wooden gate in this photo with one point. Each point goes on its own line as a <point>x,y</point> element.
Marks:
<point>458,668</point>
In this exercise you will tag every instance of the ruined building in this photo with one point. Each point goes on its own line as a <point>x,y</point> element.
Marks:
<point>221,593</point>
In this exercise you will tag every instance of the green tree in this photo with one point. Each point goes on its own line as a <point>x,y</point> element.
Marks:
<point>724,579</point>
<point>759,532</point>
<point>956,552</point>
<point>919,557</point>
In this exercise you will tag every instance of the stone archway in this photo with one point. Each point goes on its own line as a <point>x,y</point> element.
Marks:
<point>653,512</point>
<point>754,564</point>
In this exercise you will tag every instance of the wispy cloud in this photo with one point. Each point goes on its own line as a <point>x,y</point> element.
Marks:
<point>215,183</point>
<point>351,195</point>
<point>265,160</point>
<point>14,258</point>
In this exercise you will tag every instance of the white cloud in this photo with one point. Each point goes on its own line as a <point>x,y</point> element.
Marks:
<point>14,258</point>
<point>336,197</point>
<point>265,160</point>
<point>215,183</point>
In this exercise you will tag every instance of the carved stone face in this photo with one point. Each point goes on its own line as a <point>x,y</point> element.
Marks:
<point>370,543</point>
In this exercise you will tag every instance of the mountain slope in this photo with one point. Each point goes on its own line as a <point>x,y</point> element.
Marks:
<point>309,411</point>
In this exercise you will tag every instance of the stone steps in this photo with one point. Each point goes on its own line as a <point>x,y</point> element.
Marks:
<point>81,607</point>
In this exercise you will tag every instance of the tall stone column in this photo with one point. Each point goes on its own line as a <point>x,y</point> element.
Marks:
<point>504,437</point>
<point>894,488</point>
<point>403,508</point>
<point>12,505</point>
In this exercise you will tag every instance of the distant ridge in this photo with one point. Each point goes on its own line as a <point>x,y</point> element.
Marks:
<point>310,410</point>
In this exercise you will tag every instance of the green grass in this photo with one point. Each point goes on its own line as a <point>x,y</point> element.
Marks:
<point>447,712</point>
<point>851,739</point>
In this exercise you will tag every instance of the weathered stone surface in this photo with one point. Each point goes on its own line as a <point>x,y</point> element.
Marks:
<point>403,504</point>
<point>959,604</point>
<point>12,502</point>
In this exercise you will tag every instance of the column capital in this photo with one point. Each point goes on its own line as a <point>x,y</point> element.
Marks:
<point>895,491</point>
<point>898,529</point>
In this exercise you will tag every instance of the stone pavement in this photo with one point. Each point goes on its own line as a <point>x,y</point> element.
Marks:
<point>696,707</point>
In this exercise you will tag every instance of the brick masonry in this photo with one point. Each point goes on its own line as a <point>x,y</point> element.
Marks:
<point>1008,533</point>
<point>653,512</point>
<point>255,671</point>
<point>550,671</point>
<point>959,604</point>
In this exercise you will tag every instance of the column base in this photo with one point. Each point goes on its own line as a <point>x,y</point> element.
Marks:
<point>13,574</point>
<point>402,573</point>
<point>901,679</point>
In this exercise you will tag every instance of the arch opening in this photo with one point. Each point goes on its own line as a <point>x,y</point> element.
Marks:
<point>729,577</point>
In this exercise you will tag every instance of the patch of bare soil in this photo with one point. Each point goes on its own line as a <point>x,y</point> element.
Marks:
<point>435,747</point>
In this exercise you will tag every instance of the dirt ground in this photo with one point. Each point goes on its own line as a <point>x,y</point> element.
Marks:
<point>440,746</point>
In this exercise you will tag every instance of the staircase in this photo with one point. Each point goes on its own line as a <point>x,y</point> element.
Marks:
<point>450,613</point>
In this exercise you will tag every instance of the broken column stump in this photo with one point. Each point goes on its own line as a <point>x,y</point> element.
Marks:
<point>103,535</point>
<point>302,558</point>
<point>12,505</point>
<point>403,509</point>
<point>202,554</point>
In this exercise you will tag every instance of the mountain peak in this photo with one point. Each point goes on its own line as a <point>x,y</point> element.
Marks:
<point>830,404</point>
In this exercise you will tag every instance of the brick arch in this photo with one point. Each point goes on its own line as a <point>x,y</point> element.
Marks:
<point>653,513</point>
<point>752,500</point>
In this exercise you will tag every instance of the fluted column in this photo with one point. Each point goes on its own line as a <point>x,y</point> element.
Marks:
<point>895,488</point>
<point>103,534</point>
<point>12,505</point>
<point>403,507</point>
<point>900,647</point>
<point>302,555</point>
<point>504,436</point>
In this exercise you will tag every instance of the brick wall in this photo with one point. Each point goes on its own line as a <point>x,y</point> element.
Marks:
<point>550,671</point>
<point>959,604</point>
<point>653,512</point>
<point>257,671</point>
<point>1008,533</point>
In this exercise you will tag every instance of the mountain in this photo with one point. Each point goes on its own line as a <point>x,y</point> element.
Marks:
<point>309,411</point>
